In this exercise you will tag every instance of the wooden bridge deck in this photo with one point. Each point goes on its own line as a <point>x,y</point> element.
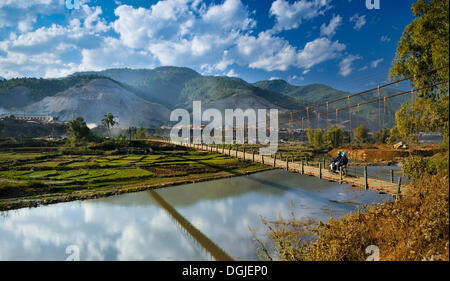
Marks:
<point>373,184</point>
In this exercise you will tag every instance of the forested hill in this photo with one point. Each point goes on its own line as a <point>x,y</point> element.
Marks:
<point>179,86</point>
<point>39,88</point>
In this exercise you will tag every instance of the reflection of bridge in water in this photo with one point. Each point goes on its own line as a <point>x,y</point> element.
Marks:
<point>215,251</point>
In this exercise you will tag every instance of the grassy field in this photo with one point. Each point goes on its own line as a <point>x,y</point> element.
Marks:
<point>33,178</point>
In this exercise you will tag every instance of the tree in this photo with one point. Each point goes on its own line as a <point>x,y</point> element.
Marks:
<point>336,136</point>
<point>314,137</point>
<point>108,122</point>
<point>361,134</point>
<point>78,129</point>
<point>424,46</point>
<point>381,137</point>
<point>141,133</point>
<point>394,135</point>
<point>1,127</point>
<point>121,140</point>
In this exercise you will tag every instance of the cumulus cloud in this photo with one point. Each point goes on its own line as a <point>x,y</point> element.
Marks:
<point>290,16</point>
<point>114,54</point>
<point>317,51</point>
<point>330,29</point>
<point>40,52</point>
<point>346,65</point>
<point>359,21</point>
<point>182,33</point>
<point>213,38</point>
<point>273,53</point>
<point>266,51</point>
<point>23,13</point>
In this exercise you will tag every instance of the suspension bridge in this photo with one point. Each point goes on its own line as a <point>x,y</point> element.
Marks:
<point>313,112</point>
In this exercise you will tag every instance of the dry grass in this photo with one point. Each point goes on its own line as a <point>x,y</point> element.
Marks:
<point>413,228</point>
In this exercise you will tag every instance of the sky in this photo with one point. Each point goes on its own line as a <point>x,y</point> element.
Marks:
<point>340,43</point>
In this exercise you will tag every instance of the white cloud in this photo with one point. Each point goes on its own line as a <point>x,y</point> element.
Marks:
<point>28,3</point>
<point>363,68</point>
<point>290,16</point>
<point>231,14</point>
<point>183,34</point>
<point>266,52</point>
<point>210,37</point>
<point>273,53</point>
<point>359,21</point>
<point>231,73</point>
<point>26,24</point>
<point>113,54</point>
<point>346,65</point>
<point>39,52</point>
<point>22,14</point>
<point>295,77</point>
<point>385,38</point>
<point>317,51</point>
<point>330,29</point>
<point>375,63</point>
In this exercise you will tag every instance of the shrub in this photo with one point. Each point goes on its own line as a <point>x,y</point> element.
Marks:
<point>417,167</point>
<point>105,145</point>
<point>314,137</point>
<point>361,134</point>
<point>336,136</point>
<point>413,228</point>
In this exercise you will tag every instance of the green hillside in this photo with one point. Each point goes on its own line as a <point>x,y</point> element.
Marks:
<point>210,88</point>
<point>179,86</point>
<point>277,85</point>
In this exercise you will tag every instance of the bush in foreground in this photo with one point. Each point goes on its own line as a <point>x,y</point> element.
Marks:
<point>413,228</point>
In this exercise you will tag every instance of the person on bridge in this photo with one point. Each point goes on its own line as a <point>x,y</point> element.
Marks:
<point>343,161</point>
<point>335,162</point>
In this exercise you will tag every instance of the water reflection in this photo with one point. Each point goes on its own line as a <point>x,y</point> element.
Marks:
<point>134,227</point>
<point>378,172</point>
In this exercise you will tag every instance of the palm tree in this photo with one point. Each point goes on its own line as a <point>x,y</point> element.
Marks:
<point>108,122</point>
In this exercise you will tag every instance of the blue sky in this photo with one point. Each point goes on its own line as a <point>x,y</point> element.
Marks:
<point>340,43</point>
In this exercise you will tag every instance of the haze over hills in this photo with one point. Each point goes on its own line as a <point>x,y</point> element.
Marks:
<point>144,97</point>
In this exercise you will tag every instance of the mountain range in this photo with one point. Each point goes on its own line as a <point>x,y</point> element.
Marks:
<point>145,97</point>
